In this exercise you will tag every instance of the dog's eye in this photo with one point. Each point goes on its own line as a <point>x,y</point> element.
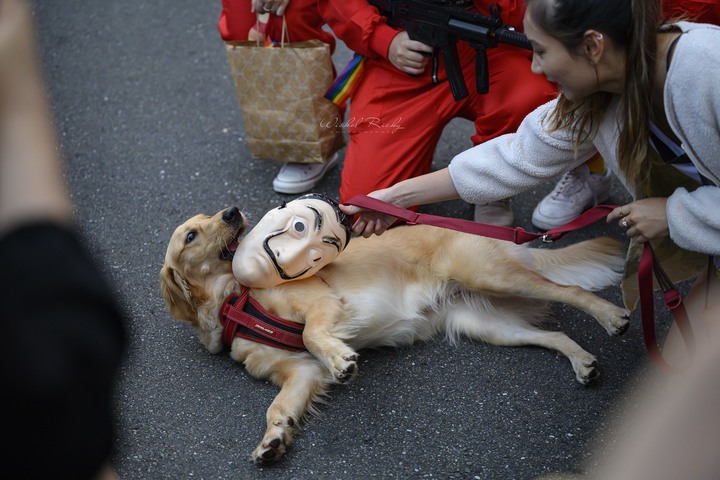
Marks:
<point>190,236</point>
<point>299,227</point>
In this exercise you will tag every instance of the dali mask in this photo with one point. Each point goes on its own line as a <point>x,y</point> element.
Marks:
<point>291,242</point>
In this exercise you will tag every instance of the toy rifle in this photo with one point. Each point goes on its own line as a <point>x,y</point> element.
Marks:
<point>441,23</point>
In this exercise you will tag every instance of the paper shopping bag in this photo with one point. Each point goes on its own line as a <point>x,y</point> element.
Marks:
<point>280,90</point>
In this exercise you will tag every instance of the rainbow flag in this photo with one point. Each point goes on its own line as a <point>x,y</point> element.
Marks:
<point>341,88</point>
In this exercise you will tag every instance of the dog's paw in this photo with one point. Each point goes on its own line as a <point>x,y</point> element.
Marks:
<point>586,370</point>
<point>269,451</point>
<point>345,369</point>
<point>616,320</point>
<point>619,324</point>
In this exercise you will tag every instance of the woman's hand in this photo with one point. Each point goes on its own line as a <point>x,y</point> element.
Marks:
<point>369,221</point>
<point>644,219</point>
<point>407,55</point>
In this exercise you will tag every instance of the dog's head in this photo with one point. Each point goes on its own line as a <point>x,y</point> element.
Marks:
<point>197,273</point>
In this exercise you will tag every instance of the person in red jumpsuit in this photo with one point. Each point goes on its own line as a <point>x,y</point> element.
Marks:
<point>397,114</point>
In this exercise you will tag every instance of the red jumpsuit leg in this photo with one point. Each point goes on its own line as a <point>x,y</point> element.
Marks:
<point>395,122</point>
<point>380,157</point>
<point>514,92</point>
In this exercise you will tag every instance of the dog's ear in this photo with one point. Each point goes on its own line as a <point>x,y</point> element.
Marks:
<point>177,295</point>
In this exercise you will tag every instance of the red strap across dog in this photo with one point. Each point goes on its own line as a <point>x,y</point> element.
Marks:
<point>243,317</point>
<point>648,264</point>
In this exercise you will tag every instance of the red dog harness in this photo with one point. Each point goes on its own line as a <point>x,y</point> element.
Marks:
<point>241,316</point>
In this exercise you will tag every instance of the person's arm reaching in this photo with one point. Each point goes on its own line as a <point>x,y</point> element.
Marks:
<point>430,188</point>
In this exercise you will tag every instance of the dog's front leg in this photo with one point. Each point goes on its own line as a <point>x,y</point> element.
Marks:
<point>312,302</point>
<point>303,381</point>
<point>336,355</point>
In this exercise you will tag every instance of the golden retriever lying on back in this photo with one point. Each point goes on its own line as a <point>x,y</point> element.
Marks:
<point>404,286</point>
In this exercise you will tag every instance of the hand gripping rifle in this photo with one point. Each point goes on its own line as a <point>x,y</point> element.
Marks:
<point>441,23</point>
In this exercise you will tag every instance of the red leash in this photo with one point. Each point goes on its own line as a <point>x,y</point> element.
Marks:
<point>648,262</point>
<point>516,235</point>
<point>673,302</point>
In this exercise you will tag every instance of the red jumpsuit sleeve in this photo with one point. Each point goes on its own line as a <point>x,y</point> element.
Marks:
<point>235,20</point>
<point>703,11</point>
<point>359,25</point>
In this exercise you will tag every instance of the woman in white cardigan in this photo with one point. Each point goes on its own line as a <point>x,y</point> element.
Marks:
<point>646,97</point>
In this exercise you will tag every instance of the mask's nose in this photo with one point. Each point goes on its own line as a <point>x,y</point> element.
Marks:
<point>314,256</point>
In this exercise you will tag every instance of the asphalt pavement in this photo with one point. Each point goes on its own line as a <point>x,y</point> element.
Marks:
<point>151,131</point>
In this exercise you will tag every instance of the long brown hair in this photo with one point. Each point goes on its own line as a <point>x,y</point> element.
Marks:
<point>632,25</point>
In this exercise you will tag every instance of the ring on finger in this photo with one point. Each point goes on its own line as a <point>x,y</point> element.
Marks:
<point>624,223</point>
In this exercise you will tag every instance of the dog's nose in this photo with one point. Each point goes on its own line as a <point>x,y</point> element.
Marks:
<point>231,215</point>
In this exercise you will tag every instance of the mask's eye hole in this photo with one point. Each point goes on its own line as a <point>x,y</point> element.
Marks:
<point>190,236</point>
<point>299,227</point>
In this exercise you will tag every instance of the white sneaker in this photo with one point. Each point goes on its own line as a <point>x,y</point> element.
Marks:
<point>301,177</point>
<point>499,213</point>
<point>576,191</point>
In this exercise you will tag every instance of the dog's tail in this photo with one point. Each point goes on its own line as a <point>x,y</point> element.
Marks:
<point>592,264</point>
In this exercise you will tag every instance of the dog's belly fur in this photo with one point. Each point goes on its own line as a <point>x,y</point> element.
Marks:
<point>399,292</point>
<point>391,314</point>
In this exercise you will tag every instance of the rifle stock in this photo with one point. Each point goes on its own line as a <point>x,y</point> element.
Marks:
<point>442,24</point>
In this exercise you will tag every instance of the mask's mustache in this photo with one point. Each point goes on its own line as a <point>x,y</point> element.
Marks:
<point>280,271</point>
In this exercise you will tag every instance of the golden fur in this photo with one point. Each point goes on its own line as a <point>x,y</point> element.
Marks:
<point>404,286</point>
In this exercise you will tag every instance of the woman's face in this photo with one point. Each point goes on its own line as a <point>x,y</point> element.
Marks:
<point>575,77</point>
<point>290,242</point>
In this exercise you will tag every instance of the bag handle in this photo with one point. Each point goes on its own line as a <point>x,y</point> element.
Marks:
<point>285,32</point>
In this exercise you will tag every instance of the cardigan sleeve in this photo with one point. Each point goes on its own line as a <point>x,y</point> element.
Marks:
<point>512,163</point>
<point>692,103</point>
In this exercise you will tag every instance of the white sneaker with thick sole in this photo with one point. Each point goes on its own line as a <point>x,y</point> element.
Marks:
<point>301,177</point>
<point>499,213</point>
<point>577,191</point>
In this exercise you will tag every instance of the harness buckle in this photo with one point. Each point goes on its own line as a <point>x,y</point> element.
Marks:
<point>547,238</point>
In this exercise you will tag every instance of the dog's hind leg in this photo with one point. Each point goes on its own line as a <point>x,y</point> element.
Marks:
<point>515,280</point>
<point>504,325</point>
<point>303,382</point>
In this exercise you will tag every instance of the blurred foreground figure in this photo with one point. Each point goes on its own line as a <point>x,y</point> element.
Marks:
<point>60,326</point>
